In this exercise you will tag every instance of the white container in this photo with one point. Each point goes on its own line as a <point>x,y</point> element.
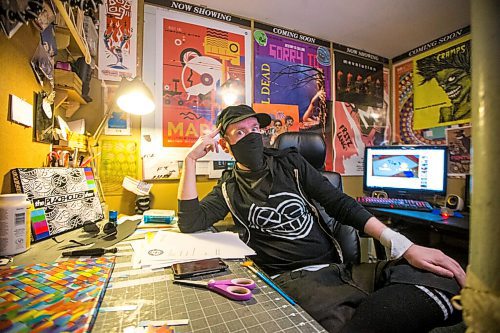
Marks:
<point>15,229</point>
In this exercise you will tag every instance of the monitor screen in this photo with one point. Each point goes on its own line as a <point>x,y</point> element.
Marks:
<point>406,170</point>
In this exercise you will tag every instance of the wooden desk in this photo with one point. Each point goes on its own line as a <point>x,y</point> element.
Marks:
<point>151,296</point>
<point>158,298</point>
<point>450,235</point>
<point>453,224</point>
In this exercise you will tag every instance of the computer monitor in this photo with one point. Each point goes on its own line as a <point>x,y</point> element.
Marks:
<point>406,171</point>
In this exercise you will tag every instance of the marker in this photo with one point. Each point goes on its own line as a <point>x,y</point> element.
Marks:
<point>89,252</point>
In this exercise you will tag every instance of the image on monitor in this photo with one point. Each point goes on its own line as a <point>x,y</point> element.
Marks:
<point>395,166</point>
<point>400,170</point>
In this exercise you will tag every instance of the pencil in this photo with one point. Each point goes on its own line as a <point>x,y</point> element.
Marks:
<point>268,281</point>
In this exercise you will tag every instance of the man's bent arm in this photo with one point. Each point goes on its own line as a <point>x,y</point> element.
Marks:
<point>187,184</point>
<point>195,215</point>
<point>425,258</point>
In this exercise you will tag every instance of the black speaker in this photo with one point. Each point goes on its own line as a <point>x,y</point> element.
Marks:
<point>454,202</point>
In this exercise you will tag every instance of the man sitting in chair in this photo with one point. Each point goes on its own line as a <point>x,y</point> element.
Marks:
<point>269,194</point>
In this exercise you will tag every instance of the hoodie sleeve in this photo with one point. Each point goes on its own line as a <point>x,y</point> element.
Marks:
<point>337,204</point>
<point>195,215</point>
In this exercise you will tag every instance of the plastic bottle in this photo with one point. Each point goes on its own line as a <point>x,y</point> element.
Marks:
<point>113,216</point>
<point>15,229</point>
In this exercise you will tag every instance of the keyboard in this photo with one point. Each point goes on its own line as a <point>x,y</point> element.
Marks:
<point>395,203</point>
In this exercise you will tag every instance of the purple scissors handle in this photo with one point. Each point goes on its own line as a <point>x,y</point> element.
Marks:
<point>239,289</point>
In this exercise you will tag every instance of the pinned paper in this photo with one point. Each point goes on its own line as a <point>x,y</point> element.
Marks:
<point>159,167</point>
<point>136,186</point>
<point>21,111</point>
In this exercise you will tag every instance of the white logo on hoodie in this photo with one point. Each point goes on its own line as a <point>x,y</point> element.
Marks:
<point>290,219</point>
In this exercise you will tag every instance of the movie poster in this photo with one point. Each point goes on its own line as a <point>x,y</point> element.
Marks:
<point>358,80</point>
<point>358,126</point>
<point>200,64</point>
<point>442,83</point>
<point>403,100</point>
<point>197,67</point>
<point>459,150</point>
<point>117,40</point>
<point>291,72</point>
<point>285,118</point>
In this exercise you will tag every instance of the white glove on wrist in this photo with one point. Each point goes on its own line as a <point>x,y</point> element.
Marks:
<point>395,244</point>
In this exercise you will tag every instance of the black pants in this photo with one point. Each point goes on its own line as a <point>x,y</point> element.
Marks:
<point>371,297</point>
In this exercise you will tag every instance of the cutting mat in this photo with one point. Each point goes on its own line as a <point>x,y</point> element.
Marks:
<point>135,295</point>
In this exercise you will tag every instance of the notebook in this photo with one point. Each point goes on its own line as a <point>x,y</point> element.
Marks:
<point>63,198</point>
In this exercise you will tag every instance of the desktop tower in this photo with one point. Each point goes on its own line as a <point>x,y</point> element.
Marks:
<point>468,192</point>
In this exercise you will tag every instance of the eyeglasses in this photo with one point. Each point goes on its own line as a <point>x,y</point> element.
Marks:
<point>91,227</point>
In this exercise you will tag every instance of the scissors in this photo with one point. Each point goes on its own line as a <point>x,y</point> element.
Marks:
<point>238,289</point>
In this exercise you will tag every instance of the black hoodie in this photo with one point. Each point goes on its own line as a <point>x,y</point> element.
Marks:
<point>284,231</point>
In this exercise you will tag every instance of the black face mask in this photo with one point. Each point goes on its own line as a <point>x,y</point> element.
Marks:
<point>249,151</point>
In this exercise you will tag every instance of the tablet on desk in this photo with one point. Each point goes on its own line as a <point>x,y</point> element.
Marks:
<point>199,267</point>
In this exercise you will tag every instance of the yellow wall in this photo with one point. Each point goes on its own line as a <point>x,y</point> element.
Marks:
<point>17,78</point>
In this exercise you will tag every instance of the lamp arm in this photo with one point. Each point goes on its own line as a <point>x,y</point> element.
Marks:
<point>100,128</point>
<point>93,141</point>
<point>107,112</point>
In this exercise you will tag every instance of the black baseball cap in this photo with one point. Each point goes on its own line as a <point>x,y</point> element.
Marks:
<point>236,113</point>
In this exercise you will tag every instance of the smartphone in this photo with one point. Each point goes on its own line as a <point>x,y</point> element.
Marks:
<point>198,267</point>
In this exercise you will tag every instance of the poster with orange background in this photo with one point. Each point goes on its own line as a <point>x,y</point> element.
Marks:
<point>285,118</point>
<point>200,64</point>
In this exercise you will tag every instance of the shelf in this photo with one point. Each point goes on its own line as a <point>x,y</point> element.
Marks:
<point>65,41</point>
<point>72,149</point>
<point>71,93</point>
<point>75,141</point>
<point>71,26</point>
<point>69,99</point>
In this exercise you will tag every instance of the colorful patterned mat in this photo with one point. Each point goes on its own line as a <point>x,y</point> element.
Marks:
<point>58,297</point>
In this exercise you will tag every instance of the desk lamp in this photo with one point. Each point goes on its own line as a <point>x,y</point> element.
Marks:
<point>132,97</point>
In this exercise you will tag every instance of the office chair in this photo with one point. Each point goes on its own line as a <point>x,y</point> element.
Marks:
<point>313,148</point>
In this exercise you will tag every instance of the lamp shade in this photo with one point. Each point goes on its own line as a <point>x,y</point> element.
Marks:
<point>134,97</point>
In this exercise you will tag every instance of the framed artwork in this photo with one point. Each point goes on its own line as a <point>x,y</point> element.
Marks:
<point>44,118</point>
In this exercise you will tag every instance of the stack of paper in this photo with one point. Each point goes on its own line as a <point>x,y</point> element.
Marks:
<point>166,248</point>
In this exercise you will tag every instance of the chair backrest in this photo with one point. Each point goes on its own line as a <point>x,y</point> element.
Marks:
<point>312,146</point>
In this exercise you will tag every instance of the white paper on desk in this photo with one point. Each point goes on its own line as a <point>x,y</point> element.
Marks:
<point>168,247</point>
